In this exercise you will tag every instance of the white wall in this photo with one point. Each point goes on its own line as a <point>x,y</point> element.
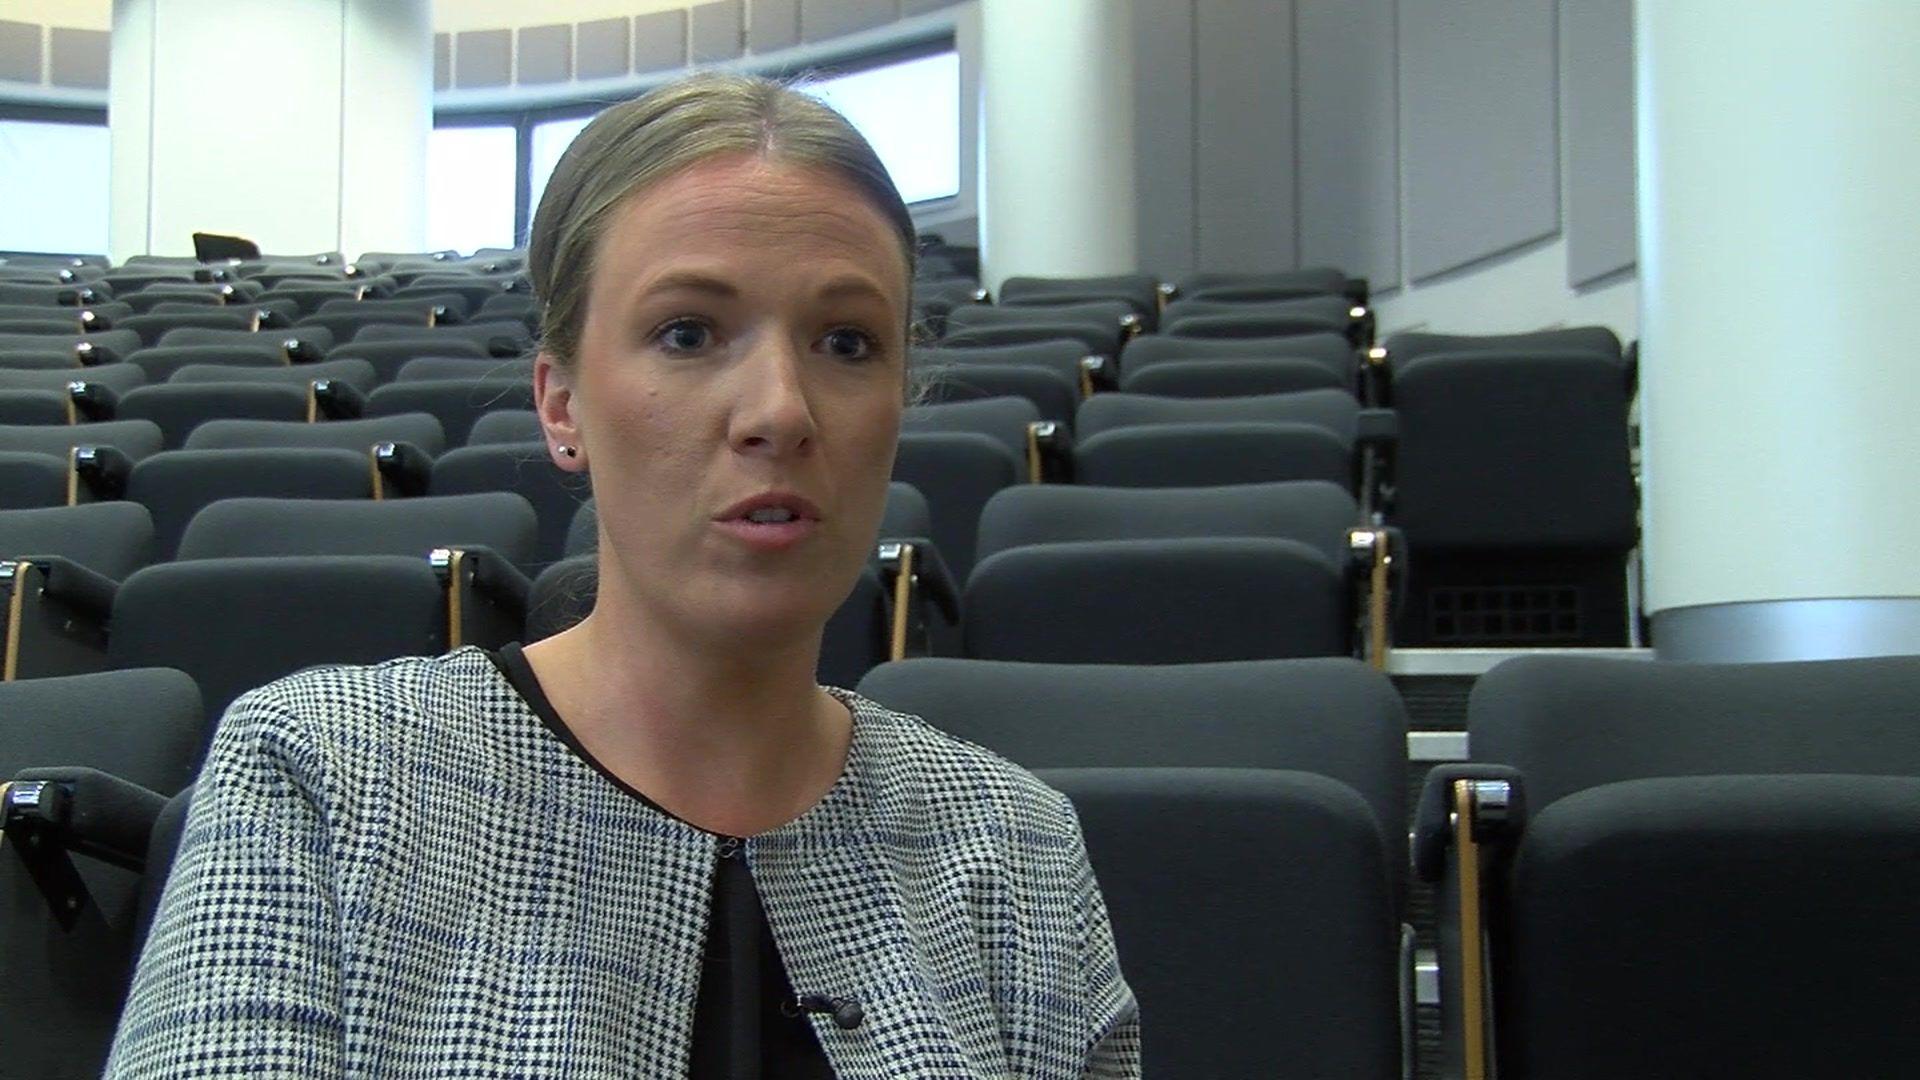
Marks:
<point>1513,293</point>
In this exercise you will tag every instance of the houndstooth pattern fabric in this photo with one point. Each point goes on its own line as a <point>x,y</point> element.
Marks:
<point>399,871</point>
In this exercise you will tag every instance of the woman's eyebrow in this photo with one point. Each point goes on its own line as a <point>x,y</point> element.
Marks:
<point>848,287</point>
<point>689,279</point>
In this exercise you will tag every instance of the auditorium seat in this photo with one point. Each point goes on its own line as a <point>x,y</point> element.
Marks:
<point>29,479</point>
<point>355,373</point>
<point>278,615</point>
<point>1093,340</point>
<point>58,569</point>
<point>1242,377</point>
<point>430,309</point>
<point>456,403</point>
<point>424,368</point>
<point>152,327</point>
<point>116,378</point>
<point>81,350</point>
<point>1252,915</point>
<point>1013,422</point>
<point>497,337</point>
<point>418,430</point>
<point>496,521</point>
<point>35,407</point>
<point>308,295</point>
<point>507,426</point>
<point>1260,287</point>
<point>295,344</point>
<point>134,438</point>
<point>390,357</point>
<point>160,362</point>
<point>934,300</point>
<point>1104,324</point>
<point>1513,482</point>
<point>1066,358</point>
<point>178,408</point>
<point>1141,292</point>
<point>110,747</point>
<point>176,484</point>
<point>1708,863</point>
<point>522,468</point>
<point>1070,574</point>
<point>1330,350</point>
<point>1207,319</point>
<point>957,471</point>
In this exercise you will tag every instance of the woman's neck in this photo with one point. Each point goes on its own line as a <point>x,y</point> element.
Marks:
<point>732,742</point>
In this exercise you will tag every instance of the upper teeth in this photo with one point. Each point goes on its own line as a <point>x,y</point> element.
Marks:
<point>770,514</point>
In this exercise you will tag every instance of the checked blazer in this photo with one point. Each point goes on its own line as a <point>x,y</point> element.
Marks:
<point>399,871</point>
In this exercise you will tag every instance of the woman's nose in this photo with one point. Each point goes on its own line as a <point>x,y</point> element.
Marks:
<point>773,415</point>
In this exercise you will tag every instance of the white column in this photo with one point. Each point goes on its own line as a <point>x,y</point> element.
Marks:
<point>299,124</point>
<point>1778,145</point>
<point>1057,168</point>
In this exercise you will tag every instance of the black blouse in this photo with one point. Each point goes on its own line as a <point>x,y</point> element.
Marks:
<point>744,1023</point>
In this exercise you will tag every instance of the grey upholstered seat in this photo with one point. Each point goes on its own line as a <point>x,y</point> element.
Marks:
<point>957,471</point>
<point>499,521</point>
<point>355,373</point>
<point>456,403</point>
<point>145,727</point>
<point>177,484</point>
<point>112,539</point>
<point>1259,286</point>
<point>178,408</point>
<point>1246,892</point>
<point>522,468</point>
<point>1329,349</point>
<point>1141,292</point>
<point>420,430</point>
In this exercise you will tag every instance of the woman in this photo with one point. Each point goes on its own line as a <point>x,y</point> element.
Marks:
<point>651,846</point>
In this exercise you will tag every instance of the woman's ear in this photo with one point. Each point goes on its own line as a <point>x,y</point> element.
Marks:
<point>553,403</point>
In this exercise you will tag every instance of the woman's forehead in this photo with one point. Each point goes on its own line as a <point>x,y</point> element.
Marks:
<point>754,209</point>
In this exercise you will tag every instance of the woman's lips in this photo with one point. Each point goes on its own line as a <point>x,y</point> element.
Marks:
<point>770,535</point>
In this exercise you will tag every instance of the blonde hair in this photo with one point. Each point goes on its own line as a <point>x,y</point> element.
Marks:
<point>640,142</point>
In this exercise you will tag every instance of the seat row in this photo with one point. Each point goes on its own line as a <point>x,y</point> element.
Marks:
<point>1648,896</point>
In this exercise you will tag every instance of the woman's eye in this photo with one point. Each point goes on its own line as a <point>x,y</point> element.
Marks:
<point>684,335</point>
<point>848,343</point>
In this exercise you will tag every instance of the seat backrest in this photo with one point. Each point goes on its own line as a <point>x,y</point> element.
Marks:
<point>1312,512</point>
<point>1272,285</point>
<point>1278,325</point>
<point>523,468</point>
<point>1200,455</point>
<point>389,357</point>
<point>1054,395</point>
<point>1246,892</point>
<point>497,337</point>
<point>1061,355</point>
<point>134,438</point>
<point>112,539</point>
<point>1335,410</point>
<point>1331,350</point>
<point>276,616</point>
<point>1138,291</point>
<point>460,367</point>
<point>1244,377</point>
<point>1514,451</point>
<point>317,338</point>
<point>907,512</point>
<point>116,344</point>
<point>28,479</point>
<point>177,484</point>
<point>118,378</point>
<point>1105,315</point>
<point>1405,347</point>
<point>180,407</point>
<point>456,403</point>
<point>356,373</point>
<point>248,527</point>
<point>1571,723</point>
<point>957,471</point>
<point>506,426</point>
<point>33,407</point>
<point>162,362</point>
<point>1752,926</point>
<point>1173,601</point>
<point>1333,309</point>
<point>1093,340</point>
<point>1004,419</point>
<point>144,726</point>
<point>1332,716</point>
<point>420,430</point>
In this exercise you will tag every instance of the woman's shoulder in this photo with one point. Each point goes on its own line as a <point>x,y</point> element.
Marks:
<point>914,760</point>
<point>369,703</point>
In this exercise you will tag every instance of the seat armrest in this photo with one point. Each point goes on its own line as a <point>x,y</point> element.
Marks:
<point>87,811</point>
<point>1098,373</point>
<point>1377,571</point>
<point>299,350</point>
<point>1433,816</point>
<point>1049,452</point>
<point>334,400</point>
<point>1376,377</point>
<point>402,467</point>
<point>103,470</point>
<point>74,585</point>
<point>495,575</point>
<point>92,400</point>
<point>1376,427</point>
<point>94,354</point>
<point>50,814</point>
<point>933,579</point>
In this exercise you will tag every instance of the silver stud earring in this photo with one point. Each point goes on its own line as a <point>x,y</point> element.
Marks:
<point>570,451</point>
